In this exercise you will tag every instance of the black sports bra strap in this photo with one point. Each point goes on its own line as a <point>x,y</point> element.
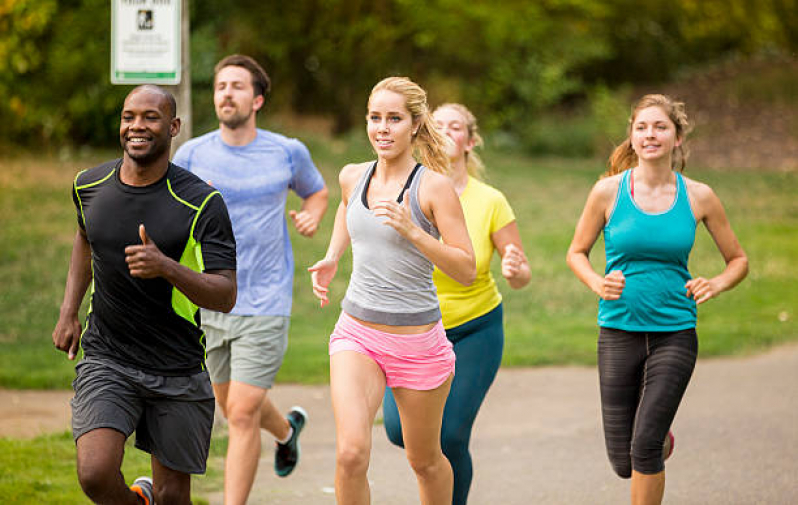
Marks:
<point>409,181</point>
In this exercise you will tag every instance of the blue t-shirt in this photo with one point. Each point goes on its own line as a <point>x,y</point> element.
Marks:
<point>254,181</point>
<point>652,251</point>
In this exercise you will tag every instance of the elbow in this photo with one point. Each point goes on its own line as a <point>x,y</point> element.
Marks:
<point>743,267</point>
<point>470,275</point>
<point>229,300</point>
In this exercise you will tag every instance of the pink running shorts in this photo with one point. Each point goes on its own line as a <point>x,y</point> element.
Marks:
<point>420,361</point>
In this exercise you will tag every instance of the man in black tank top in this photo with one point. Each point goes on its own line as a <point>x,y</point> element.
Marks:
<point>155,243</point>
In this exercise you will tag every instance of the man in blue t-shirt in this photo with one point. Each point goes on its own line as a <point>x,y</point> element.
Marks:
<point>254,169</point>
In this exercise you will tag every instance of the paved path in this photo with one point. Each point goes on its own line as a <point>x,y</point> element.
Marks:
<point>538,440</point>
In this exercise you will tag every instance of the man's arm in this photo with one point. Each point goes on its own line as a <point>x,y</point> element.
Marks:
<point>309,216</point>
<point>214,289</point>
<point>66,335</point>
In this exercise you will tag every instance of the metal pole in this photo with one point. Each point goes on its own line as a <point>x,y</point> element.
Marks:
<point>182,91</point>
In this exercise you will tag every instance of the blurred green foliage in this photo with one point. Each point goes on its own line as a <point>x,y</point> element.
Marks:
<point>510,61</point>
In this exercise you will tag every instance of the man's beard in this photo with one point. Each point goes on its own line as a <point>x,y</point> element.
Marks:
<point>235,120</point>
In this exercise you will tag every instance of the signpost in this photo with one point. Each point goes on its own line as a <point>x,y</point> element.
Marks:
<point>150,45</point>
<point>145,41</point>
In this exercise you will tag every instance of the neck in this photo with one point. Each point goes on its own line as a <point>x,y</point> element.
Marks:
<point>240,136</point>
<point>399,166</point>
<point>133,173</point>
<point>459,174</point>
<point>654,172</point>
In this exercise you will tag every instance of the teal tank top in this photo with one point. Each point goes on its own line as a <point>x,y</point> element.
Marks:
<point>652,250</point>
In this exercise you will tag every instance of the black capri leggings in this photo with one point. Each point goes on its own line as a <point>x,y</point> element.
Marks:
<point>642,376</point>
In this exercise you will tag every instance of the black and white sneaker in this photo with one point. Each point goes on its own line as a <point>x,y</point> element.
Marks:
<point>286,456</point>
<point>143,487</point>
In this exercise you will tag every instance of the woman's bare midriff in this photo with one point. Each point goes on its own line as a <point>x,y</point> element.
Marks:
<point>399,330</point>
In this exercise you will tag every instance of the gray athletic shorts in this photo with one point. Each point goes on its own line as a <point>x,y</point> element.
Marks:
<point>246,349</point>
<point>172,416</point>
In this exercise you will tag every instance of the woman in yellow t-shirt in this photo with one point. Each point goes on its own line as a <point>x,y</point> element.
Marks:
<point>472,315</point>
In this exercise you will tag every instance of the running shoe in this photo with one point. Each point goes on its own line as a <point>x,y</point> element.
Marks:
<point>667,446</point>
<point>143,487</point>
<point>286,456</point>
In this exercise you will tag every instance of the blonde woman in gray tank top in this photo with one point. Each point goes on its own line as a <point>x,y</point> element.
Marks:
<point>402,218</point>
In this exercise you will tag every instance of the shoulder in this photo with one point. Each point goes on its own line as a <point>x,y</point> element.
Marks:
<point>293,148</point>
<point>606,188</point>
<point>433,181</point>
<point>96,174</point>
<point>191,145</point>
<point>287,143</point>
<point>352,172</point>
<point>484,190</point>
<point>698,190</point>
<point>187,187</point>
<point>703,199</point>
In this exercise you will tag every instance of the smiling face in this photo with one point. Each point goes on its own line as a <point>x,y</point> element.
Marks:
<point>389,124</point>
<point>654,134</point>
<point>455,126</point>
<point>146,127</point>
<point>234,97</point>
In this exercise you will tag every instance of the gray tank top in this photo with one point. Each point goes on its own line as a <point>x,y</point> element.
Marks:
<point>391,280</point>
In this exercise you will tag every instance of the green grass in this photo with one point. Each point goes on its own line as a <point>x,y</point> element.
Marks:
<point>42,470</point>
<point>552,321</point>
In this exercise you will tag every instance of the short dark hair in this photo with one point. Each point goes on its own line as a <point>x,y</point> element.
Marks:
<point>260,79</point>
<point>170,98</point>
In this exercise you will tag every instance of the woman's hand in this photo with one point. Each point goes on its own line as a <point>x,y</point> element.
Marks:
<point>512,261</point>
<point>321,275</point>
<point>396,215</point>
<point>701,289</point>
<point>612,285</point>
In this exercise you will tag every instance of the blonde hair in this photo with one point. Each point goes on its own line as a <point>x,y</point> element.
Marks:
<point>474,164</point>
<point>429,144</point>
<point>624,156</point>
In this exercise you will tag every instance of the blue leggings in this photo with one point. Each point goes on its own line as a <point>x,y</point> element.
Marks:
<point>478,345</point>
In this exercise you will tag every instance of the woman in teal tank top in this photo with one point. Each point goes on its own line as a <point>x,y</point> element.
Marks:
<point>647,310</point>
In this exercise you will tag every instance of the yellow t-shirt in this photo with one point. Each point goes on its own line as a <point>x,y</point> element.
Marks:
<point>486,211</point>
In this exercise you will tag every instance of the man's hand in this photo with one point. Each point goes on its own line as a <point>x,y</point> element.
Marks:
<point>66,335</point>
<point>145,261</point>
<point>304,222</point>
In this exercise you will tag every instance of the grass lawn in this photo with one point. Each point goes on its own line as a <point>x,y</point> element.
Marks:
<point>552,321</point>
<point>42,470</point>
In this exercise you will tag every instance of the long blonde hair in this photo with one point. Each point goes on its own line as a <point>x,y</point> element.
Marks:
<point>474,164</point>
<point>624,156</point>
<point>429,144</point>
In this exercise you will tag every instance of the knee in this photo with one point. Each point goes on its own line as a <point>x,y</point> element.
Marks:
<point>95,480</point>
<point>242,417</point>
<point>648,460</point>
<point>621,465</point>
<point>622,470</point>
<point>427,465</point>
<point>454,443</point>
<point>352,459</point>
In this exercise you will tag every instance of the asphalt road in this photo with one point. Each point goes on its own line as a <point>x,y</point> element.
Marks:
<point>538,441</point>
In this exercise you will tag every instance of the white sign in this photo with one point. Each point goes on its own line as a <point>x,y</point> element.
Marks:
<point>145,41</point>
